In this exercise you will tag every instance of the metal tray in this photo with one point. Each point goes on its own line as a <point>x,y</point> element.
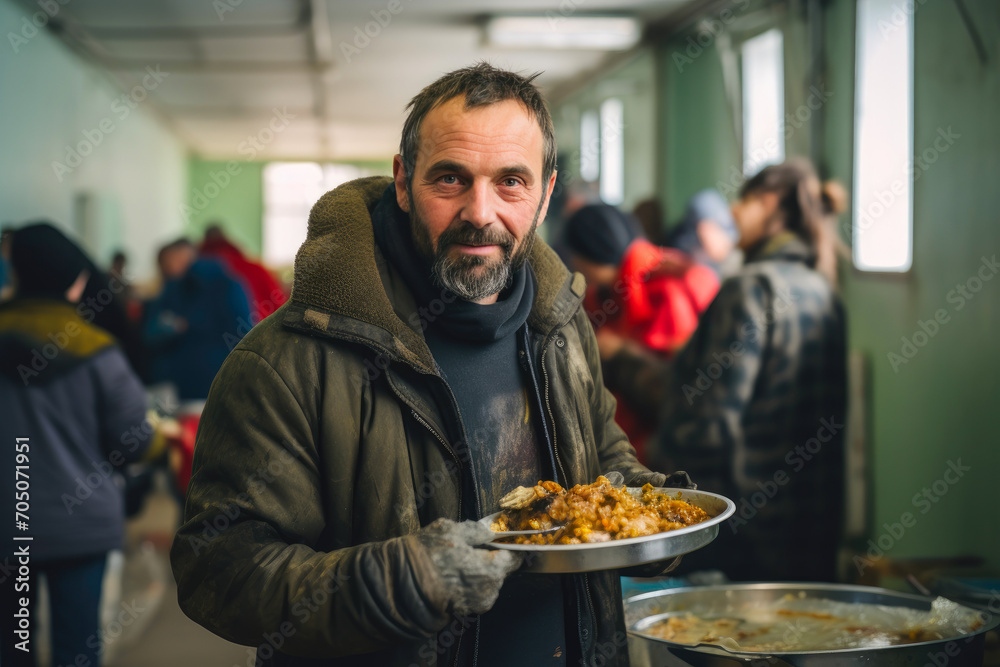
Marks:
<point>642,611</point>
<point>632,551</point>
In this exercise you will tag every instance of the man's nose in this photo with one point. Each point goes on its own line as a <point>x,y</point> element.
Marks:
<point>480,205</point>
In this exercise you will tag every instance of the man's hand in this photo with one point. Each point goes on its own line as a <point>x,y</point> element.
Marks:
<point>472,577</point>
<point>675,480</point>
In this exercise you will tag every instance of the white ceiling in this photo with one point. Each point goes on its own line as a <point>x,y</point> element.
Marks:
<point>231,63</point>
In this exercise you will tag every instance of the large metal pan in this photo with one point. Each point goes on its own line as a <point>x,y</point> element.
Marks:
<point>633,551</point>
<point>642,611</point>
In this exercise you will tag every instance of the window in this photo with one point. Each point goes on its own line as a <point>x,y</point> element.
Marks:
<point>763,101</point>
<point>612,186</point>
<point>290,190</point>
<point>590,146</point>
<point>883,138</point>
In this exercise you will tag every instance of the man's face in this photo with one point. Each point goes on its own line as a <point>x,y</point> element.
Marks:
<point>477,194</point>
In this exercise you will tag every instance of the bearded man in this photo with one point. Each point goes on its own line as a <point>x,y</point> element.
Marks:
<point>433,356</point>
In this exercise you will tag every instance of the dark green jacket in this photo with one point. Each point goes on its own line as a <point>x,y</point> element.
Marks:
<point>328,432</point>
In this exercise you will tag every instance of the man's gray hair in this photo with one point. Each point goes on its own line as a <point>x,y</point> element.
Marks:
<point>481,84</point>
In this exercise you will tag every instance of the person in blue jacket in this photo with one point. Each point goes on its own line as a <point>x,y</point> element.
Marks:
<point>199,317</point>
<point>72,412</point>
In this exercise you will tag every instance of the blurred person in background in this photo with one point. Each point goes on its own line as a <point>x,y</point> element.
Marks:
<point>649,213</point>
<point>200,315</point>
<point>264,293</point>
<point>6,289</point>
<point>636,291</point>
<point>756,401</point>
<point>73,407</point>
<point>707,232</point>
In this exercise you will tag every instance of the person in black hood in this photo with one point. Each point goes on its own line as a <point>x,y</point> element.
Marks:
<point>74,412</point>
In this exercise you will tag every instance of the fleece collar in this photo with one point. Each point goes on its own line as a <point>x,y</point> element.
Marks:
<point>339,289</point>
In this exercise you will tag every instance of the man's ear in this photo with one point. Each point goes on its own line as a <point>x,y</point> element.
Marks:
<point>399,176</point>
<point>548,197</point>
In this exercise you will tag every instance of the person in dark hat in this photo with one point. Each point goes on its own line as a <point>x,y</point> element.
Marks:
<point>75,412</point>
<point>707,232</point>
<point>637,293</point>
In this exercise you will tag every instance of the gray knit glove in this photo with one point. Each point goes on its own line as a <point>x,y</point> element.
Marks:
<point>471,577</point>
<point>675,480</point>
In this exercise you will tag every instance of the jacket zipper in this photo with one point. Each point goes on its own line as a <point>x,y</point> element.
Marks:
<point>590,608</point>
<point>378,349</point>
<point>548,406</point>
<point>447,447</point>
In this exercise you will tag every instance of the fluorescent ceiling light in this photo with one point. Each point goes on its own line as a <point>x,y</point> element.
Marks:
<point>610,33</point>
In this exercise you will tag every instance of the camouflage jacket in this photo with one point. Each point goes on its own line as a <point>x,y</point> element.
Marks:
<point>753,407</point>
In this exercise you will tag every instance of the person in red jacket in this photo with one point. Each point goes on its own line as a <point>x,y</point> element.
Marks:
<point>264,293</point>
<point>637,291</point>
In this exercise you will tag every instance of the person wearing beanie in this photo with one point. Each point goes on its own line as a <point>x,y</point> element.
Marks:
<point>76,412</point>
<point>636,292</point>
<point>707,232</point>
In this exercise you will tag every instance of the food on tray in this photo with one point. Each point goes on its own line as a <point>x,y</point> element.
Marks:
<point>597,512</point>
<point>811,624</point>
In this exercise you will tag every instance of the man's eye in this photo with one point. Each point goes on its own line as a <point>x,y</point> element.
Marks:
<point>511,182</point>
<point>450,179</point>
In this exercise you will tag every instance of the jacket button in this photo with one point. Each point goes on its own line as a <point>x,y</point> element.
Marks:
<point>560,342</point>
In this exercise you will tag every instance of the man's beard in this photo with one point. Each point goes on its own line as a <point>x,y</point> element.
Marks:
<point>473,277</point>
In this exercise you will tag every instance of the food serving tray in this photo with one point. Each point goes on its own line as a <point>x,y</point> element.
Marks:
<point>563,558</point>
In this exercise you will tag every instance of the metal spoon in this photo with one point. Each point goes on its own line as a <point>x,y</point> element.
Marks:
<point>515,533</point>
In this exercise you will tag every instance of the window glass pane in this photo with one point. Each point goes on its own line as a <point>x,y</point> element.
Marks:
<point>612,151</point>
<point>763,102</point>
<point>590,146</point>
<point>883,199</point>
<point>290,190</point>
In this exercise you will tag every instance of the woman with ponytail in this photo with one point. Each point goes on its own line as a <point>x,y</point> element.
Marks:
<point>753,407</point>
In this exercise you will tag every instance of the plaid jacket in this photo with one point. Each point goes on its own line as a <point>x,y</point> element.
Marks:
<point>754,408</point>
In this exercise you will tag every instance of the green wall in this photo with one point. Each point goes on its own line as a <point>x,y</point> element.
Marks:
<point>698,145</point>
<point>227,193</point>
<point>634,82</point>
<point>72,152</point>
